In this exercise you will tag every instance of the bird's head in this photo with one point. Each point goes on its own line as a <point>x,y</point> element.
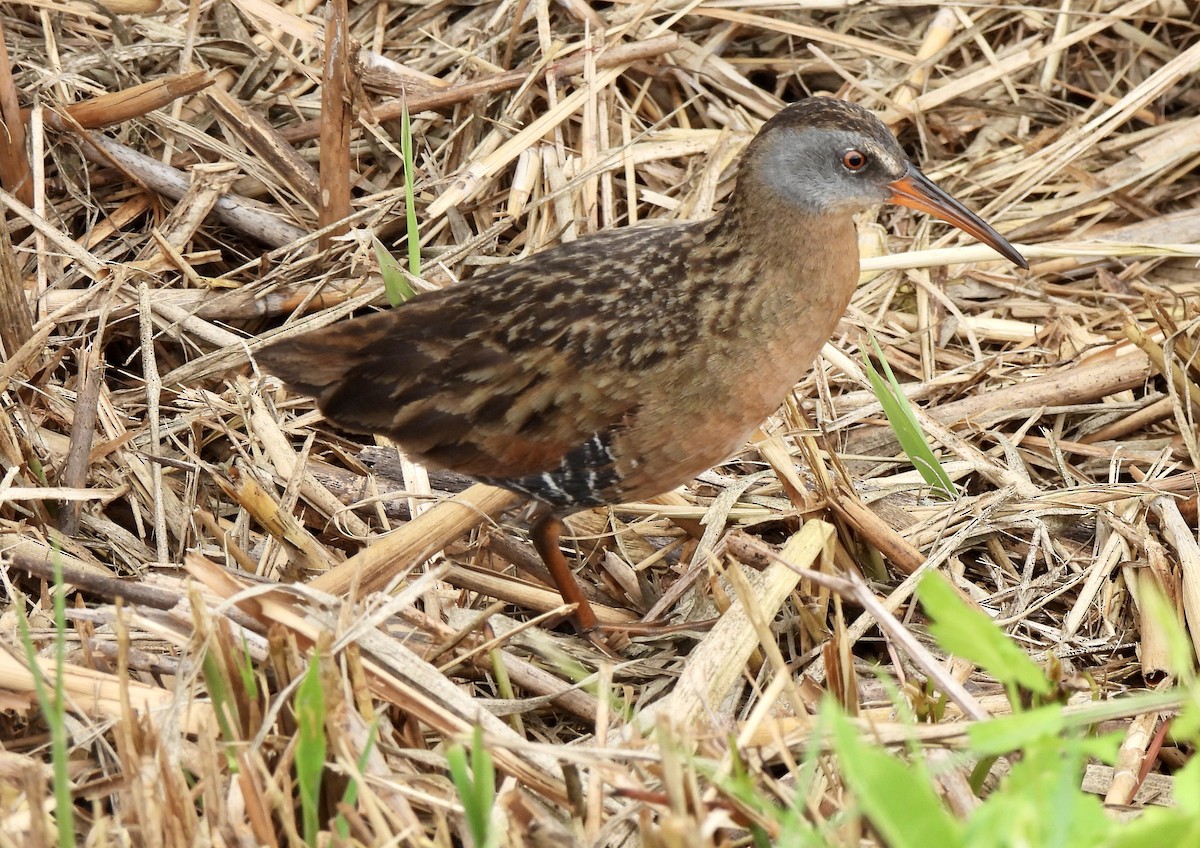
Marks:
<point>828,156</point>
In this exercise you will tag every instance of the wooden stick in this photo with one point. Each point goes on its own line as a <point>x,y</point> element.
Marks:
<point>16,174</point>
<point>117,106</point>
<point>334,196</point>
<point>235,212</point>
<point>371,568</point>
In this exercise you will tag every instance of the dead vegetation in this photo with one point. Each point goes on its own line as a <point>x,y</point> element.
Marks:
<point>184,183</point>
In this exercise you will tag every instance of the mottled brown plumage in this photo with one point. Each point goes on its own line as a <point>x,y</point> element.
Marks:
<point>621,365</point>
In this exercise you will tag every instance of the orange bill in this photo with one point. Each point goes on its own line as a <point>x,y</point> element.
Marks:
<point>917,191</point>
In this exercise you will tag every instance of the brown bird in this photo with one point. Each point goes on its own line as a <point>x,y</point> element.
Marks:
<point>623,364</point>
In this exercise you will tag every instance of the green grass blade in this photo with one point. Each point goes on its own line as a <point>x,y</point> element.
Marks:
<point>310,748</point>
<point>395,284</point>
<point>54,709</point>
<point>898,798</point>
<point>905,425</point>
<point>410,205</point>
<point>970,634</point>
<point>476,785</point>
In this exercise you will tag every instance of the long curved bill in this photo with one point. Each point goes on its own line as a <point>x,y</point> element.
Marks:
<point>917,191</point>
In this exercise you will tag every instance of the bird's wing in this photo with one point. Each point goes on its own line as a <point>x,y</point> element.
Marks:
<point>458,382</point>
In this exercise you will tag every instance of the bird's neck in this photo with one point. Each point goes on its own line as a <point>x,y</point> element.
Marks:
<point>788,245</point>
<point>790,274</point>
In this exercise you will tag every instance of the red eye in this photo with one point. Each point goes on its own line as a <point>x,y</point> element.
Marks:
<point>854,160</point>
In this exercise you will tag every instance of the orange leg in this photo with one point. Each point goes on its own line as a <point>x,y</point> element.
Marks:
<point>545,534</point>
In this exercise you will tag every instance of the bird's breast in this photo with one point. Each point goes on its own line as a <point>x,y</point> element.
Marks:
<point>760,340</point>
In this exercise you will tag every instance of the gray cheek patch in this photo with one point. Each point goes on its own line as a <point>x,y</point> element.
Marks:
<point>799,173</point>
<point>804,168</point>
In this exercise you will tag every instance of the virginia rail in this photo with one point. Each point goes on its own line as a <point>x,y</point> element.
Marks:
<point>623,364</point>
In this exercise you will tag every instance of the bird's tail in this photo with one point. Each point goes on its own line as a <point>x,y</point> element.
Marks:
<point>312,362</point>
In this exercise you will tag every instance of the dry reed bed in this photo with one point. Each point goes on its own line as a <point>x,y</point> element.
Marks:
<point>210,214</point>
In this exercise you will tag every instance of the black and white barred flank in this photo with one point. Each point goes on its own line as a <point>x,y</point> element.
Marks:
<point>586,477</point>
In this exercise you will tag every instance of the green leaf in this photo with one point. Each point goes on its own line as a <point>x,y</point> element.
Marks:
<point>476,785</point>
<point>905,425</point>
<point>1001,735</point>
<point>1011,732</point>
<point>1157,828</point>
<point>395,284</point>
<point>410,204</point>
<point>1187,788</point>
<point>310,747</point>
<point>897,797</point>
<point>54,708</point>
<point>970,634</point>
<point>1040,803</point>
